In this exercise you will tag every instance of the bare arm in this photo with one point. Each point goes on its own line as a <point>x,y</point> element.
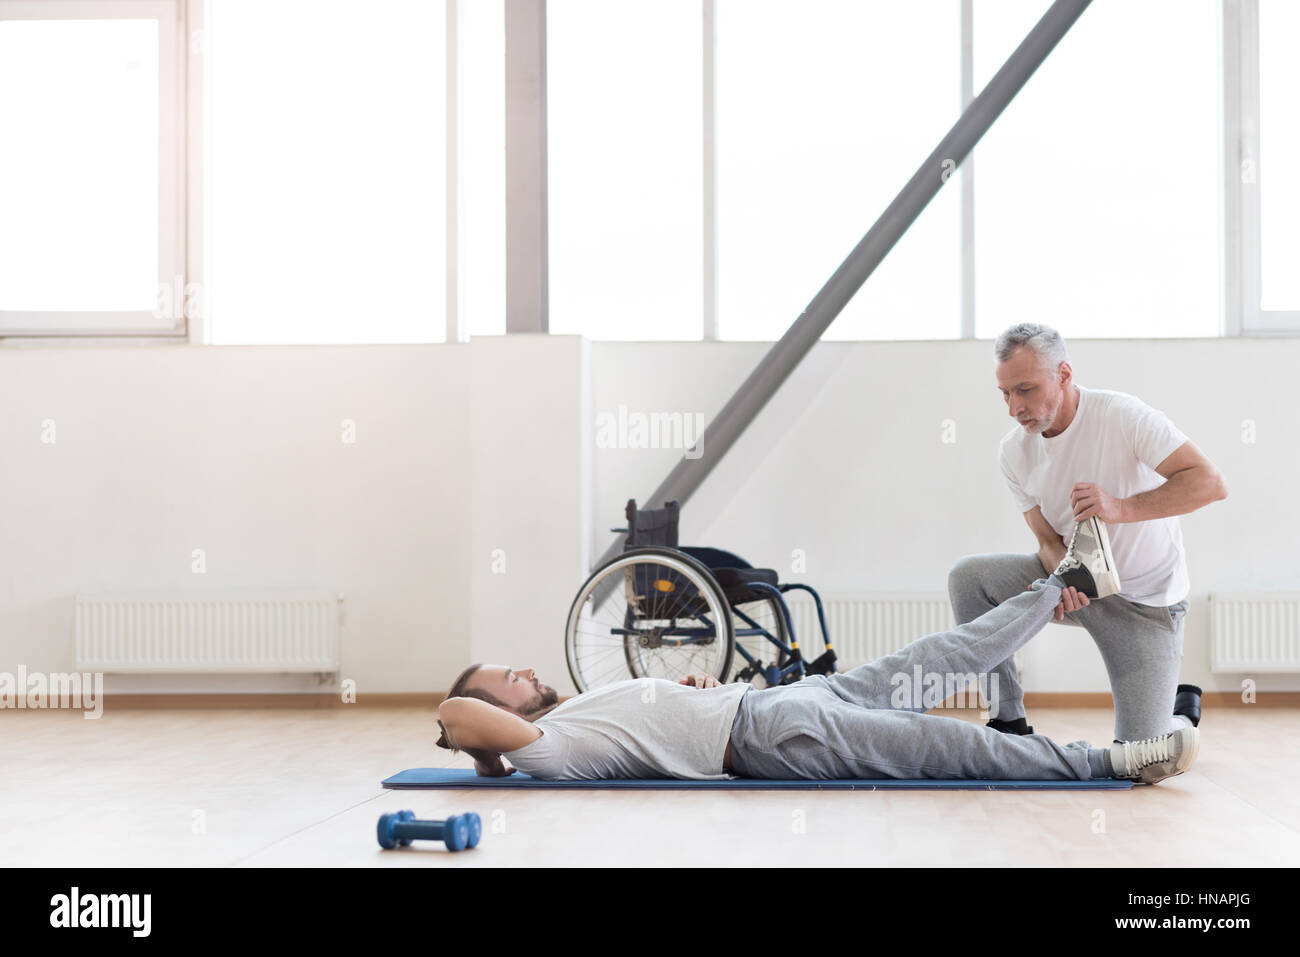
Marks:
<point>1051,547</point>
<point>1191,481</point>
<point>484,731</point>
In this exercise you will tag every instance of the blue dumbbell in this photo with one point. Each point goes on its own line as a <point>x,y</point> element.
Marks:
<point>458,832</point>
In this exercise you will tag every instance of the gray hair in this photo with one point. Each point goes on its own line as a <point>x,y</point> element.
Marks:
<point>1044,340</point>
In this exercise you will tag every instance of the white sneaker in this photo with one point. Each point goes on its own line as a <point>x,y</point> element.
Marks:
<point>1155,759</point>
<point>1088,564</point>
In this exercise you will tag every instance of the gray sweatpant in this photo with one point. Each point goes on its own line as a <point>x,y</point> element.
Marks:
<point>867,723</point>
<point>1141,645</point>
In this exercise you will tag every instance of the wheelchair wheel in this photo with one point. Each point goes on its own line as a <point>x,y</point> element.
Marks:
<point>649,613</point>
<point>766,614</point>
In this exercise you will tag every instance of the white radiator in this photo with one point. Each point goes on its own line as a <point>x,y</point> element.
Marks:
<point>869,625</point>
<point>1255,631</point>
<point>232,632</point>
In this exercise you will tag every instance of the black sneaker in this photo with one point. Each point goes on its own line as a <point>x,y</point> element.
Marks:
<point>1014,726</point>
<point>1088,564</point>
<point>1187,702</point>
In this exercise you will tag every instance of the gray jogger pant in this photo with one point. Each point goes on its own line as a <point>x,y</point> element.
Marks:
<point>863,724</point>
<point>1141,645</point>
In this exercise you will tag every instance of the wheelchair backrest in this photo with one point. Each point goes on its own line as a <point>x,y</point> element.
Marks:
<point>651,526</point>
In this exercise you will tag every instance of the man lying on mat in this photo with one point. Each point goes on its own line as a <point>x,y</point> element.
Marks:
<point>823,726</point>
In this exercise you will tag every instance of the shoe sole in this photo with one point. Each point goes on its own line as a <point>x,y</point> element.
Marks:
<point>1108,583</point>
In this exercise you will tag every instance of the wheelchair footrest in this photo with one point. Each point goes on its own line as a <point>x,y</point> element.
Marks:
<point>824,665</point>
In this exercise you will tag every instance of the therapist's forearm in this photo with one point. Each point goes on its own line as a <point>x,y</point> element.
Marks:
<point>1183,492</point>
<point>1050,555</point>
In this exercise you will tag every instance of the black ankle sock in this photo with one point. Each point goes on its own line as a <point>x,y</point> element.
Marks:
<point>1011,726</point>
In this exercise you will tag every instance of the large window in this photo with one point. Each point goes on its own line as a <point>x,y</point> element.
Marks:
<point>624,141</point>
<point>824,109</point>
<point>91,168</point>
<point>1096,191</point>
<point>328,161</point>
<point>1279,146</point>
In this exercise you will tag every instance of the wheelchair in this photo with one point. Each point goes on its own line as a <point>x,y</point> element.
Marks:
<point>661,610</point>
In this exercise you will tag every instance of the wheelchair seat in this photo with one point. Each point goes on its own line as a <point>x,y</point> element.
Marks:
<point>733,573</point>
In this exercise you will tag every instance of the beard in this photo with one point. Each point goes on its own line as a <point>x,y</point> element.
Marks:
<point>1040,425</point>
<point>544,699</point>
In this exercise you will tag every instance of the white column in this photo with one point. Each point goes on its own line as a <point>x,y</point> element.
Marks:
<point>526,230</point>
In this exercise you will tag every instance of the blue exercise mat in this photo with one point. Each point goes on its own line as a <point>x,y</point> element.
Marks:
<point>417,778</point>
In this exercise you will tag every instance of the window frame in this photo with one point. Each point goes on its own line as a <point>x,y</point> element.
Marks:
<point>177,270</point>
<point>1242,239</point>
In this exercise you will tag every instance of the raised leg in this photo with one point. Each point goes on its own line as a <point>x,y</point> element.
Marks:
<point>978,583</point>
<point>956,658</point>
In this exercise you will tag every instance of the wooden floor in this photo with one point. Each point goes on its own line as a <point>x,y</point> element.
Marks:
<point>276,787</point>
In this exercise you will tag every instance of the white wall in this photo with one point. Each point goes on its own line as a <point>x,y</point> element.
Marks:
<point>530,498</point>
<point>237,450</point>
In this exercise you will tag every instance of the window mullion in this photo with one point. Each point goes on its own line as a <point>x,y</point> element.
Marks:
<point>710,172</point>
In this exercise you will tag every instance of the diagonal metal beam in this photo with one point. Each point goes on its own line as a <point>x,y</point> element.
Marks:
<point>789,350</point>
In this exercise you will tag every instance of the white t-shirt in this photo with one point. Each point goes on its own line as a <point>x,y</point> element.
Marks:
<point>638,728</point>
<point>1115,440</point>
